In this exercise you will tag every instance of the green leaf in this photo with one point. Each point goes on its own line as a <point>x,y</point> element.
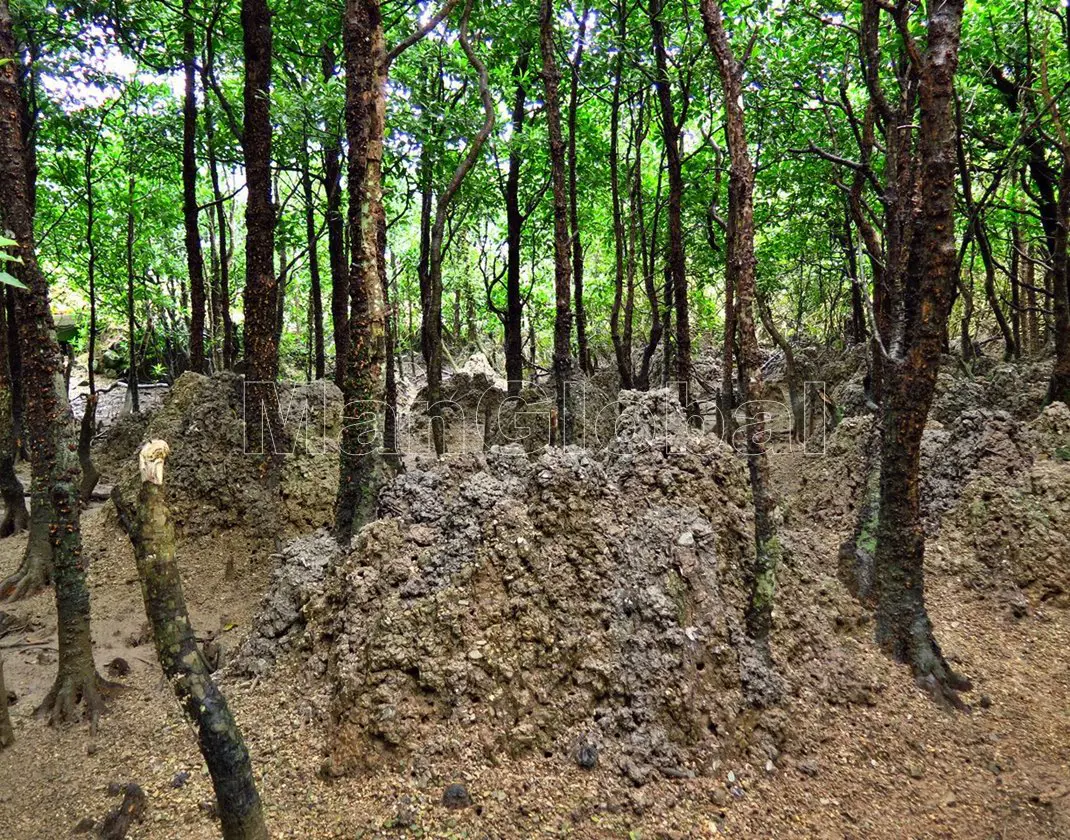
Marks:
<point>8,280</point>
<point>5,257</point>
<point>7,243</point>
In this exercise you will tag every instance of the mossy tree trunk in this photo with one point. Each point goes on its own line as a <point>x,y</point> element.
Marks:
<point>48,416</point>
<point>153,536</point>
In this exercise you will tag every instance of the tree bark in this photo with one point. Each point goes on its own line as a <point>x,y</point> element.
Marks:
<point>362,469</point>
<point>551,76</point>
<point>261,287</point>
<point>194,254</point>
<point>153,536</point>
<point>48,417</point>
<point>920,283</point>
<point>761,578</point>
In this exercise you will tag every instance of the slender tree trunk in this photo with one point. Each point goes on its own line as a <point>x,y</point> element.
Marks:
<point>194,254</point>
<point>224,228</point>
<point>261,287</point>
<point>132,379</point>
<point>621,343</point>
<point>573,199</point>
<point>220,741</point>
<point>649,263</point>
<point>741,269</point>
<point>332,176</point>
<point>1016,297</point>
<point>670,128</point>
<point>7,734</point>
<point>48,416</point>
<point>432,324</point>
<point>90,476</point>
<point>514,221</point>
<point>313,262</point>
<point>390,421</point>
<point>795,385</point>
<point>551,76</point>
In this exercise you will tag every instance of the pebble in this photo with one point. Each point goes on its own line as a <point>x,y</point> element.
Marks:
<point>456,796</point>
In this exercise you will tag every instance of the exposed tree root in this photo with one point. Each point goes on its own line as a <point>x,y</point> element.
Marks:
<point>75,697</point>
<point>33,575</point>
<point>16,520</point>
<point>932,672</point>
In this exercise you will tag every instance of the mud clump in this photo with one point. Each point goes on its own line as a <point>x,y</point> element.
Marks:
<point>214,482</point>
<point>506,607</point>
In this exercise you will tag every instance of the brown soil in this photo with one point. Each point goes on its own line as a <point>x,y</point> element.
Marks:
<point>873,759</point>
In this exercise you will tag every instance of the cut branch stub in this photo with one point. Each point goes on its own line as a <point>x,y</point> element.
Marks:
<point>151,461</point>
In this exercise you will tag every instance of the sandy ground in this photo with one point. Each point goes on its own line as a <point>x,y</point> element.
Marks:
<point>890,765</point>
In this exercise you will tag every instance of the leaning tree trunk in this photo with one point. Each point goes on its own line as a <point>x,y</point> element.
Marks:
<point>741,270</point>
<point>261,285</point>
<point>551,76</point>
<point>153,536</point>
<point>194,254</point>
<point>16,516</point>
<point>48,416</point>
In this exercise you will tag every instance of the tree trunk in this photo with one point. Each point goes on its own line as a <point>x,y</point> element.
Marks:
<point>7,734</point>
<point>1016,297</point>
<point>332,176</point>
<point>220,741</point>
<point>48,417</point>
<point>362,469</point>
<point>16,516</point>
<point>1059,386</point>
<point>795,385</point>
<point>223,226</point>
<point>261,286</point>
<point>313,262</point>
<point>194,255</point>
<point>551,76</point>
<point>131,377</point>
<point>920,288</point>
<point>761,579</point>
<point>432,323</point>
<point>514,221</point>
<point>622,344</point>
<point>670,129</point>
<point>573,199</point>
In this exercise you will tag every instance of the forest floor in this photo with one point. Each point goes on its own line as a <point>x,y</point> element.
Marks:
<point>889,765</point>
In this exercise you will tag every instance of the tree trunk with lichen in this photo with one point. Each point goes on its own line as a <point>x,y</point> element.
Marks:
<point>362,467</point>
<point>48,416</point>
<point>153,536</point>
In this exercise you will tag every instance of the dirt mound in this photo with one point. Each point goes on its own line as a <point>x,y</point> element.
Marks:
<point>1010,528</point>
<point>301,569</point>
<point>215,483</point>
<point>580,609</point>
